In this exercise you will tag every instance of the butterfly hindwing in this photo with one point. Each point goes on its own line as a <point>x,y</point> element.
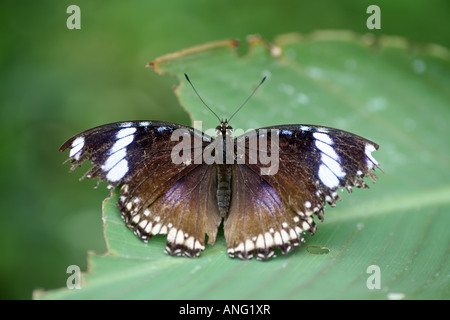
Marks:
<point>259,220</point>
<point>185,212</point>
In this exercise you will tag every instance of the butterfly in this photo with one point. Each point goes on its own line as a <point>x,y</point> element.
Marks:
<point>265,185</point>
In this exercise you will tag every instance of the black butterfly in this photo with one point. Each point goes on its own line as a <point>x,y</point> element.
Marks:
<point>263,209</point>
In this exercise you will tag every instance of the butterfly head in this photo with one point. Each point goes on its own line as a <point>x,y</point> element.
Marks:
<point>224,128</point>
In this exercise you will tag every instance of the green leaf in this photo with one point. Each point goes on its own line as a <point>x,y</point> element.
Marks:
<point>383,89</point>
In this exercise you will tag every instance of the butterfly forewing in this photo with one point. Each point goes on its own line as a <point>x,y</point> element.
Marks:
<point>119,151</point>
<point>313,162</point>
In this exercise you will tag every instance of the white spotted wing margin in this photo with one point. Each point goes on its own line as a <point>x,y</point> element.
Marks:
<point>157,196</point>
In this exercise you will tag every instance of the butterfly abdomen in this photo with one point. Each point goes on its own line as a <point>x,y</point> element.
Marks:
<point>223,188</point>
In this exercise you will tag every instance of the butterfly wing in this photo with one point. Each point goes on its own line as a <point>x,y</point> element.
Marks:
<point>273,202</point>
<point>314,162</point>
<point>118,151</point>
<point>186,211</point>
<point>158,195</point>
<point>259,219</point>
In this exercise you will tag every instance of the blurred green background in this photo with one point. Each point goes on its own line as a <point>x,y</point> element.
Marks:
<point>56,82</point>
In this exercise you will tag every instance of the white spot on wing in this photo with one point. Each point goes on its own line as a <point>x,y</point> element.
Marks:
<point>114,159</point>
<point>126,124</point>
<point>136,219</point>
<point>249,245</point>
<point>305,128</point>
<point>333,165</point>
<point>118,171</point>
<point>148,228</point>
<point>330,170</point>
<point>322,137</point>
<point>322,129</point>
<point>163,230</point>
<point>125,132</point>
<point>371,160</point>
<point>190,243</point>
<point>156,228</point>
<point>327,149</point>
<point>327,177</point>
<point>171,236</point>
<point>77,146</point>
<point>260,243</point>
<point>121,143</point>
<point>116,163</point>
<point>268,240</point>
<point>277,239</point>
<point>180,237</point>
<point>143,224</point>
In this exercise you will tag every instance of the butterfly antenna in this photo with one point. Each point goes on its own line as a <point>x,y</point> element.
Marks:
<point>251,95</point>
<point>187,78</point>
